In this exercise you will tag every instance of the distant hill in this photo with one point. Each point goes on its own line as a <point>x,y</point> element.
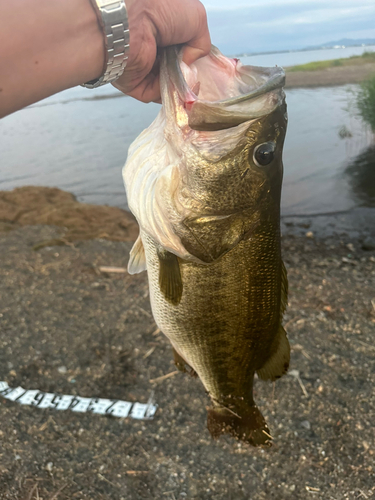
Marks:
<point>347,42</point>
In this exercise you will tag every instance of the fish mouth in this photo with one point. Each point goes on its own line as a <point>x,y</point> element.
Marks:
<point>217,92</point>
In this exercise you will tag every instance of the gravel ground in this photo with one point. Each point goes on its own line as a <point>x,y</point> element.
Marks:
<point>68,328</point>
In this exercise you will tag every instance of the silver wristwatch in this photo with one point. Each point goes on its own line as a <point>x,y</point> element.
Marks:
<point>113,19</point>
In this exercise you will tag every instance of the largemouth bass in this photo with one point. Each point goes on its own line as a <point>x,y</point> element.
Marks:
<point>204,182</point>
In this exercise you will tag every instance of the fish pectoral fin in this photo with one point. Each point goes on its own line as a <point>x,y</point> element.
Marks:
<point>278,363</point>
<point>137,258</point>
<point>182,364</point>
<point>170,281</point>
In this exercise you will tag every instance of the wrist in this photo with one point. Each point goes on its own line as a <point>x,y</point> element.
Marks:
<point>142,43</point>
<point>113,21</point>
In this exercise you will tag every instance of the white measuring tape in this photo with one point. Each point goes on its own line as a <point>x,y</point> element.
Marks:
<point>116,408</point>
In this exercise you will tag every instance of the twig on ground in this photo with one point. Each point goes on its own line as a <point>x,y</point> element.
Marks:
<point>54,497</point>
<point>255,471</point>
<point>302,387</point>
<point>100,476</point>
<point>163,377</point>
<point>311,488</point>
<point>369,346</point>
<point>295,374</point>
<point>135,472</point>
<point>144,311</point>
<point>35,487</point>
<point>299,347</point>
<point>362,494</point>
<point>149,352</point>
<point>111,269</point>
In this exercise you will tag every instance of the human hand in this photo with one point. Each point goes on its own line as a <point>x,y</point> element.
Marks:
<point>159,23</point>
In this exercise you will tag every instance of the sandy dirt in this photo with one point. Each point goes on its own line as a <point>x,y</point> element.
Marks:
<point>32,205</point>
<point>338,75</point>
<point>68,328</point>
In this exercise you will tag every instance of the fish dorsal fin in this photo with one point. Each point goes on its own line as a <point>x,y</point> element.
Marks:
<point>137,259</point>
<point>278,363</point>
<point>284,290</point>
<point>170,281</point>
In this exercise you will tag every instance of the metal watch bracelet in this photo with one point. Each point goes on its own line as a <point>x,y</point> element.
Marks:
<point>113,19</point>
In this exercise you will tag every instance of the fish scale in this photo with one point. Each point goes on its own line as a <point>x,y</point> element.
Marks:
<point>220,312</point>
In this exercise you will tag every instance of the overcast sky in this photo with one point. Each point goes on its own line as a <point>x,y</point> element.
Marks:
<point>264,25</point>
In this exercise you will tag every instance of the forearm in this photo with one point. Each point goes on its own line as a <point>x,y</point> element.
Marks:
<point>47,46</point>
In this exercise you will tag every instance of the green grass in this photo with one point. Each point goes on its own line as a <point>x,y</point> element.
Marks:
<point>365,58</point>
<point>365,100</point>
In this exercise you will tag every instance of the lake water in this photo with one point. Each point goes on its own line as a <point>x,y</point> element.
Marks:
<point>78,141</point>
<point>293,58</point>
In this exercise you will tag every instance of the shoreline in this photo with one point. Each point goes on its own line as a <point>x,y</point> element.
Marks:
<point>329,77</point>
<point>45,206</point>
<point>53,207</point>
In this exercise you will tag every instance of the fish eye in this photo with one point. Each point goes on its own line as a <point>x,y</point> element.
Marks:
<point>264,154</point>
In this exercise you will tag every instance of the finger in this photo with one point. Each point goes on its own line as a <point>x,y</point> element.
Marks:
<point>183,22</point>
<point>146,91</point>
<point>200,45</point>
<point>145,88</point>
<point>196,49</point>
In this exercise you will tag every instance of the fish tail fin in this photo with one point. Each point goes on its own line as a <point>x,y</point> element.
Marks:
<point>248,425</point>
<point>278,363</point>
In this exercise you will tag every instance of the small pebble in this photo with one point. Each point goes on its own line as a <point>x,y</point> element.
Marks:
<point>368,244</point>
<point>62,369</point>
<point>306,424</point>
<point>49,466</point>
<point>309,234</point>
